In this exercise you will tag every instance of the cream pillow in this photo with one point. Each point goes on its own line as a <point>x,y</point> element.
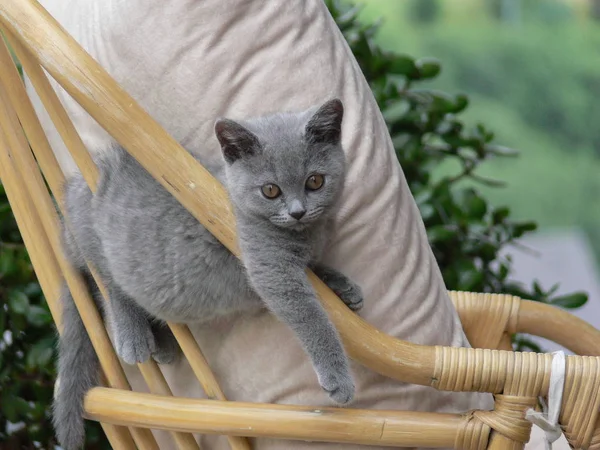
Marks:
<point>187,62</point>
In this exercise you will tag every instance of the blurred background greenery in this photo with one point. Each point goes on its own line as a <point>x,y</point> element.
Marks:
<point>530,68</point>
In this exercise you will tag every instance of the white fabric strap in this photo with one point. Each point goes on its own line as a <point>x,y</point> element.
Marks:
<point>548,419</point>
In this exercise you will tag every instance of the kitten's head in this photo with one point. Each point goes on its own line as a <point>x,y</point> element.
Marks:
<point>287,168</point>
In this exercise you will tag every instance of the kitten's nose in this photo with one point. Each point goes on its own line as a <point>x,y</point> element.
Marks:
<point>296,209</point>
<point>298,214</point>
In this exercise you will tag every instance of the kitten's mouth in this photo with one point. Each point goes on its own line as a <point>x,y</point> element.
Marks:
<point>295,225</point>
<point>306,221</point>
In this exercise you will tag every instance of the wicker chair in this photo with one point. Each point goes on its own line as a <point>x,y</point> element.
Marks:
<point>516,379</point>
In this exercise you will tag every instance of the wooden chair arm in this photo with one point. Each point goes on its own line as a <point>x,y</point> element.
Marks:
<point>559,326</point>
<point>488,319</point>
<point>344,425</point>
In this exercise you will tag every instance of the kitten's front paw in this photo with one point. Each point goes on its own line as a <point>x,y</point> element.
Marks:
<point>135,345</point>
<point>338,384</point>
<point>351,295</point>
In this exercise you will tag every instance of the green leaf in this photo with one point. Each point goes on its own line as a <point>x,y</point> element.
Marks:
<point>519,229</point>
<point>8,406</point>
<point>32,290</point>
<point>488,252</point>
<point>18,302</point>
<point>38,316</point>
<point>428,67</point>
<point>7,265</point>
<point>571,301</point>
<point>40,353</point>
<point>474,205</point>
<point>500,214</point>
<point>403,65</point>
<point>537,288</point>
<point>553,289</point>
<point>503,273</point>
<point>468,280</point>
<point>440,233</point>
<point>524,344</point>
<point>22,406</point>
<point>442,103</point>
<point>427,211</point>
<point>460,103</point>
<point>396,111</point>
<point>349,16</point>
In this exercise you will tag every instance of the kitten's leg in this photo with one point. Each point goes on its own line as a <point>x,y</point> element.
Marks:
<point>137,335</point>
<point>167,348</point>
<point>282,283</point>
<point>344,287</point>
<point>131,328</point>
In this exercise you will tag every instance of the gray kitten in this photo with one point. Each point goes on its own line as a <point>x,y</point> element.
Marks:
<point>284,174</point>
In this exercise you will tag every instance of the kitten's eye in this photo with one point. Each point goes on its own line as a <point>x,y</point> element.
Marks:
<point>271,191</point>
<point>315,182</point>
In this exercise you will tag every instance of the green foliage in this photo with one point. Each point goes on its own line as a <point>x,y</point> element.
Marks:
<point>554,94</point>
<point>465,230</point>
<point>536,81</point>
<point>27,344</point>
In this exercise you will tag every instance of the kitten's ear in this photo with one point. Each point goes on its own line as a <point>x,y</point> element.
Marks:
<point>236,141</point>
<point>325,126</point>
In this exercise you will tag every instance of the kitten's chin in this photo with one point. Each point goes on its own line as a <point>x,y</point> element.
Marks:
<point>296,225</point>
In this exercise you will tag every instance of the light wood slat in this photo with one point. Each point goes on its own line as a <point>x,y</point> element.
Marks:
<point>345,425</point>
<point>56,111</point>
<point>158,385</point>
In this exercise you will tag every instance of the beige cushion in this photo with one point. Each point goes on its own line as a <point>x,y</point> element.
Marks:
<point>189,61</point>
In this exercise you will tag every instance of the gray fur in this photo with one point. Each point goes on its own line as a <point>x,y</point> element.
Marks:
<point>159,263</point>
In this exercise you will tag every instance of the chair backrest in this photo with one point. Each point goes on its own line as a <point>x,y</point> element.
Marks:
<point>517,378</point>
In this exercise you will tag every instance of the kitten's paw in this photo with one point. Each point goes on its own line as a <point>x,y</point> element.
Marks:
<point>351,295</point>
<point>339,385</point>
<point>136,345</point>
<point>167,349</point>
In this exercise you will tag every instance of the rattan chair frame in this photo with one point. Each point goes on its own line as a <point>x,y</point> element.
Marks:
<point>27,163</point>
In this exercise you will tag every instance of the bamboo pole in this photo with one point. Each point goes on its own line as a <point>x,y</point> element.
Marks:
<point>557,325</point>
<point>158,385</point>
<point>118,437</point>
<point>367,427</point>
<point>57,113</point>
<point>197,362</point>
